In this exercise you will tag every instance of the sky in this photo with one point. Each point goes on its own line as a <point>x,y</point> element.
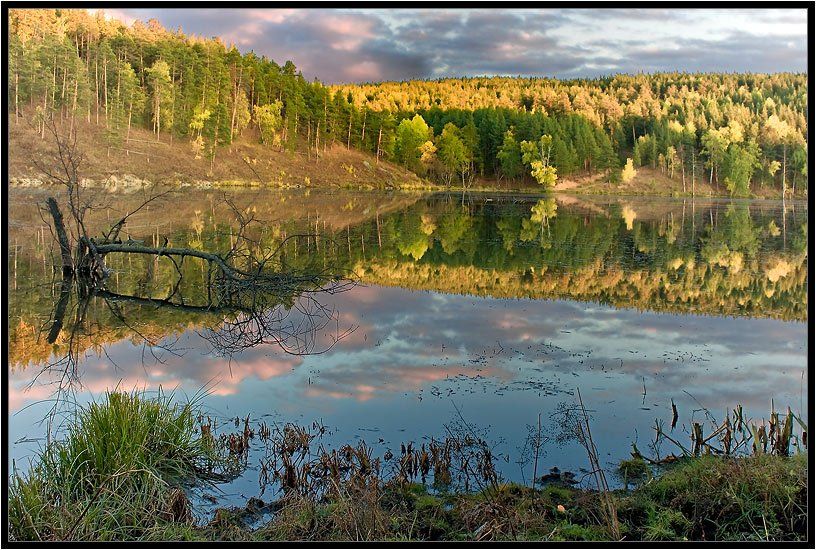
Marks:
<point>358,45</point>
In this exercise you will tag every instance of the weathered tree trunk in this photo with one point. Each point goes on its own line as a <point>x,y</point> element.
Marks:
<point>62,93</point>
<point>16,96</point>
<point>693,166</point>
<point>235,91</point>
<point>130,119</point>
<point>309,140</point>
<point>784,168</point>
<point>96,79</point>
<point>62,236</point>
<point>348,141</point>
<point>105,86</point>
<point>74,105</point>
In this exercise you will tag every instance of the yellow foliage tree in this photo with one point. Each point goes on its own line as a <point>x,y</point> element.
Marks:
<point>628,173</point>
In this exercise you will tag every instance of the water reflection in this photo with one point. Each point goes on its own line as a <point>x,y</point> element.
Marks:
<point>646,302</point>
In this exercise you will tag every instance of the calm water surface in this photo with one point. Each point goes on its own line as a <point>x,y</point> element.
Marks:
<point>489,312</point>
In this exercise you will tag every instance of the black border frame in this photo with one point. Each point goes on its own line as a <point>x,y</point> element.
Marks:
<point>491,4</point>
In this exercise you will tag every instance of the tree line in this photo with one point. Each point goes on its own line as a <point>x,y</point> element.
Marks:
<point>734,131</point>
<point>731,130</point>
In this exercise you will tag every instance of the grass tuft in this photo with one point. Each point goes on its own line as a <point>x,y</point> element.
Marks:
<point>119,472</point>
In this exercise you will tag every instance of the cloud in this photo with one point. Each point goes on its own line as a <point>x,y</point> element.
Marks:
<point>337,45</point>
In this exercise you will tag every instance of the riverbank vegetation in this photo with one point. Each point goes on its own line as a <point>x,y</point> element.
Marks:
<point>692,134</point>
<point>126,465</point>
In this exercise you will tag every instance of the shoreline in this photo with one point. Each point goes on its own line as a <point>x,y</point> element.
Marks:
<point>130,183</point>
<point>719,491</point>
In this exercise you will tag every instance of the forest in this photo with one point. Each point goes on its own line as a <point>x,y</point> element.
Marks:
<point>737,132</point>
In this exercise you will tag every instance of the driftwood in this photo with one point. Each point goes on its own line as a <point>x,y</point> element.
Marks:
<point>133,248</point>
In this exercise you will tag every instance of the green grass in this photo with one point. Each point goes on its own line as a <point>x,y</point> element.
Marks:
<point>710,498</point>
<point>119,472</point>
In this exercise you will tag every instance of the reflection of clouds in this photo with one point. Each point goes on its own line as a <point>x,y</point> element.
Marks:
<point>365,381</point>
<point>410,341</point>
<point>477,324</point>
<point>724,359</point>
<point>734,337</point>
<point>19,393</point>
<point>122,366</point>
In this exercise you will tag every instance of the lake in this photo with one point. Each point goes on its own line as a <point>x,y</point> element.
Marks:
<point>484,311</point>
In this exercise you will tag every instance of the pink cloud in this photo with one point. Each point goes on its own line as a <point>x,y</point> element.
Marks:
<point>275,16</point>
<point>117,14</point>
<point>349,31</point>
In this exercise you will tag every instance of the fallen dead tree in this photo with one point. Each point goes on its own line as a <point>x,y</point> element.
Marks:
<point>254,297</point>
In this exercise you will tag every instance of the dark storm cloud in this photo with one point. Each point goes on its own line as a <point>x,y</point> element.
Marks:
<point>766,55</point>
<point>369,45</point>
<point>483,42</point>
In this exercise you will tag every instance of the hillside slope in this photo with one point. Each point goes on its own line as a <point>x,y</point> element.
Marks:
<point>245,162</point>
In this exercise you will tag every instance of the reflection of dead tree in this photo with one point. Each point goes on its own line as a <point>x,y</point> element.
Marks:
<point>255,299</point>
<point>263,317</point>
<point>296,330</point>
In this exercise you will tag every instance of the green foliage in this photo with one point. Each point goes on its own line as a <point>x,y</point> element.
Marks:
<point>161,94</point>
<point>679,120</point>
<point>118,473</point>
<point>509,156</point>
<point>537,156</point>
<point>715,144</point>
<point>453,154</point>
<point>543,174</point>
<point>738,168</point>
<point>269,121</point>
<point>411,135</point>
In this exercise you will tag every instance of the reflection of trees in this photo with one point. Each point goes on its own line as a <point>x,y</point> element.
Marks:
<point>540,214</point>
<point>453,230</point>
<point>665,263</point>
<point>717,261</point>
<point>732,241</point>
<point>413,236</point>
